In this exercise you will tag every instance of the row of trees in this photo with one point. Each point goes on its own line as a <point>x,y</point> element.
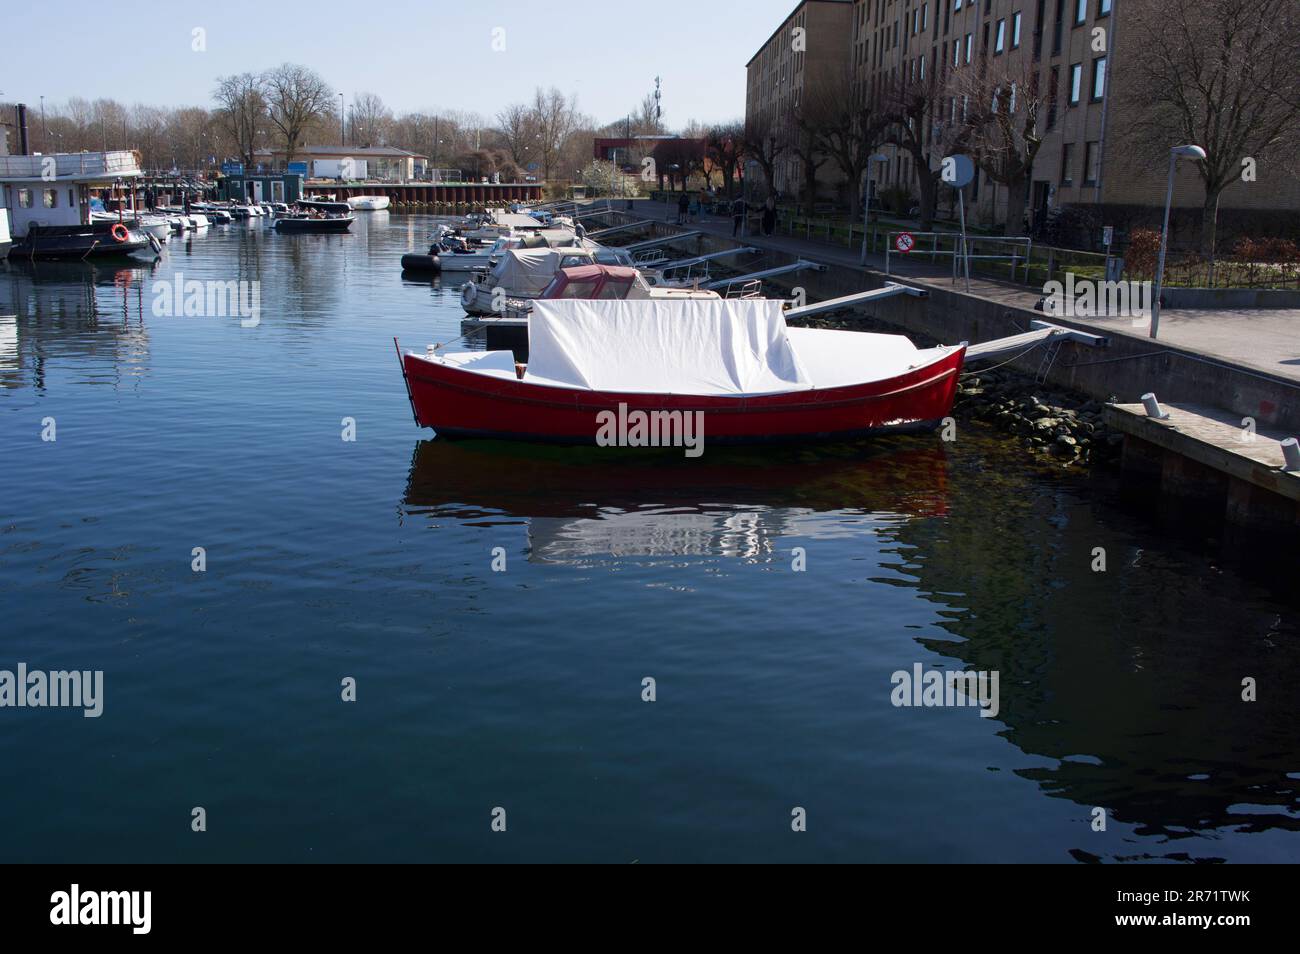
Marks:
<point>290,106</point>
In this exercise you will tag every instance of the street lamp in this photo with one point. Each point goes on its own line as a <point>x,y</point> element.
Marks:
<point>1176,153</point>
<point>343,130</point>
<point>866,201</point>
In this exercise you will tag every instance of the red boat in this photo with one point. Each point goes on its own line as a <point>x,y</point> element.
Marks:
<point>682,373</point>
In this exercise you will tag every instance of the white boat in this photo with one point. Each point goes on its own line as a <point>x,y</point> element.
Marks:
<point>522,273</point>
<point>199,220</point>
<point>368,203</point>
<point>155,225</point>
<point>5,240</point>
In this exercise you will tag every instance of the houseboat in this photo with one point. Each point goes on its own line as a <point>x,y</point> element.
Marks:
<point>48,201</point>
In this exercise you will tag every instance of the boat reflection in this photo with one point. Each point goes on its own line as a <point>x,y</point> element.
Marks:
<point>71,310</point>
<point>734,502</point>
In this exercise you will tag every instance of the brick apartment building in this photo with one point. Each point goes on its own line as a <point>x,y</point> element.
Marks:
<point>1084,159</point>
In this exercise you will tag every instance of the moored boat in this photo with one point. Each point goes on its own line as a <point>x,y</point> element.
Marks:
<point>314,223</point>
<point>328,205</point>
<point>732,366</point>
<point>368,203</point>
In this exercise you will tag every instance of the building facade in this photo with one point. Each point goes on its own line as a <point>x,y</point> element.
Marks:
<point>1076,50</point>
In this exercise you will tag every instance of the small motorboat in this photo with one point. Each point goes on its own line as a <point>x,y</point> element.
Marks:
<point>314,223</point>
<point>426,262</point>
<point>368,203</point>
<point>156,225</point>
<point>521,273</point>
<point>729,370</point>
<point>324,205</point>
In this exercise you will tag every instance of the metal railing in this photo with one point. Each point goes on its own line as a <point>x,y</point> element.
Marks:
<point>122,162</point>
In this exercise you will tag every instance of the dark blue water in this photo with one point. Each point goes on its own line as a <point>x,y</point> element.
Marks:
<point>522,689</point>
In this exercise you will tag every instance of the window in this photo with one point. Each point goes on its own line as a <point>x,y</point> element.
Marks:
<point>969,42</point>
<point>956,5</point>
<point>1000,43</point>
<point>1052,91</point>
<point>1080,11</point>
<point>50,198</point>
<point>1076,78</point>
<point>922,66</point>
<point>956,52</point>
<point>1098,78</point>
<point>1056,27</point>
<point>1091,163</point>
<point>1015,30</point>
<point>925,15</point>
<point>1103,8</point>
<point>1067,175</point>
<point>24,198</point>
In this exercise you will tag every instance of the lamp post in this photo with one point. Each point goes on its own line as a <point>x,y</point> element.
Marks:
<point>343,129</point>
<point>1176,153</point>
<point>866,202</point>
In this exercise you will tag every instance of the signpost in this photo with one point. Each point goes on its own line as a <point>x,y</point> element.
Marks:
<point>232,168</point>
<point>958,171</point>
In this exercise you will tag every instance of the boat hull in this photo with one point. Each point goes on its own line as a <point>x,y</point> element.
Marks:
<point>77,242</point>
<point>314,225</point>
<point>462,404</point>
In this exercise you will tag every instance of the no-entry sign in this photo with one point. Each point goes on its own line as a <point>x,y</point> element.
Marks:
<point>904,242</point>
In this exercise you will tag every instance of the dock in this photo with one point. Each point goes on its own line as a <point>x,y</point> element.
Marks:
<point>1207,454</point>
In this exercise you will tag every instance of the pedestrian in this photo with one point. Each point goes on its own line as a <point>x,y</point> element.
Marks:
<point>737,215</point>
<point>694,209</point>
<point>769,215</point>
<point>683,203</point>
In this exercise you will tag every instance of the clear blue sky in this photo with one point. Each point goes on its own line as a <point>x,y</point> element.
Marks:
<point>415,55</point>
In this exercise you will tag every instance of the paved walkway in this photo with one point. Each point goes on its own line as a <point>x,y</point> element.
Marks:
<point>1263,339</point>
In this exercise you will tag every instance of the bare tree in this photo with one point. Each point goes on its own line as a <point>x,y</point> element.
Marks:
<point>296,97</point>
<point>851,132</point>
<point>518,131</point>
<point>241,111</point>
<point>765,143</point>
<point>1004,109</point>
<point>554,116</point>
<point>912,104</point>
<point>1220,74</point>
<point>369,119</point>
<point>646,119</point>
<point>724,147</point>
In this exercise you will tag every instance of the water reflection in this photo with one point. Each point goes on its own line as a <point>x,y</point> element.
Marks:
<point>71,310</point>
<point>734,502</point>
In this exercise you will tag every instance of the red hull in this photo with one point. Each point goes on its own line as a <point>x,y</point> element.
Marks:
<point>459,403</point>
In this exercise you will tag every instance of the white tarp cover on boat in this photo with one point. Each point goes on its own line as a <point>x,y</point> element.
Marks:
<point>527,271</point>
<point>696,346</point>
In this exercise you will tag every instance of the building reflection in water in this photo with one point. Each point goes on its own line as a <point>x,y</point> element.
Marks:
<point>91,315</point>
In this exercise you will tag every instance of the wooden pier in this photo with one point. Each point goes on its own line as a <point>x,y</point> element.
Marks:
<point>1206,454</point>
<point>432,196</point>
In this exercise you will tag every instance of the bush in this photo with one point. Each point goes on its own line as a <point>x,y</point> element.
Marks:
<point>1142,252</point>
<point>896,199</point>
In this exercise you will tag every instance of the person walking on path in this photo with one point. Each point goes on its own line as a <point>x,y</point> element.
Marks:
<point>769,215</point>
<point>737,215</point>
<point>683,203</point>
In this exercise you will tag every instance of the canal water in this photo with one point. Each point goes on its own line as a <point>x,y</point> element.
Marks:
<point>771,595</point>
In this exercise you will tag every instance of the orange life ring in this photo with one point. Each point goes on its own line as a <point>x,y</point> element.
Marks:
<point>120,233</point>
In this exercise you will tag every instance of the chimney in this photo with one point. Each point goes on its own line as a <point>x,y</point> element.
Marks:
<point>22,130</point>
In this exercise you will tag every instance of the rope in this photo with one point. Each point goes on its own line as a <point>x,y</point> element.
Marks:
<point>1036,344</point>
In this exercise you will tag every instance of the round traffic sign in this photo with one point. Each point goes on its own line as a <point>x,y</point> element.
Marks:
<point>957,171</point>
<point>904,242</point>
